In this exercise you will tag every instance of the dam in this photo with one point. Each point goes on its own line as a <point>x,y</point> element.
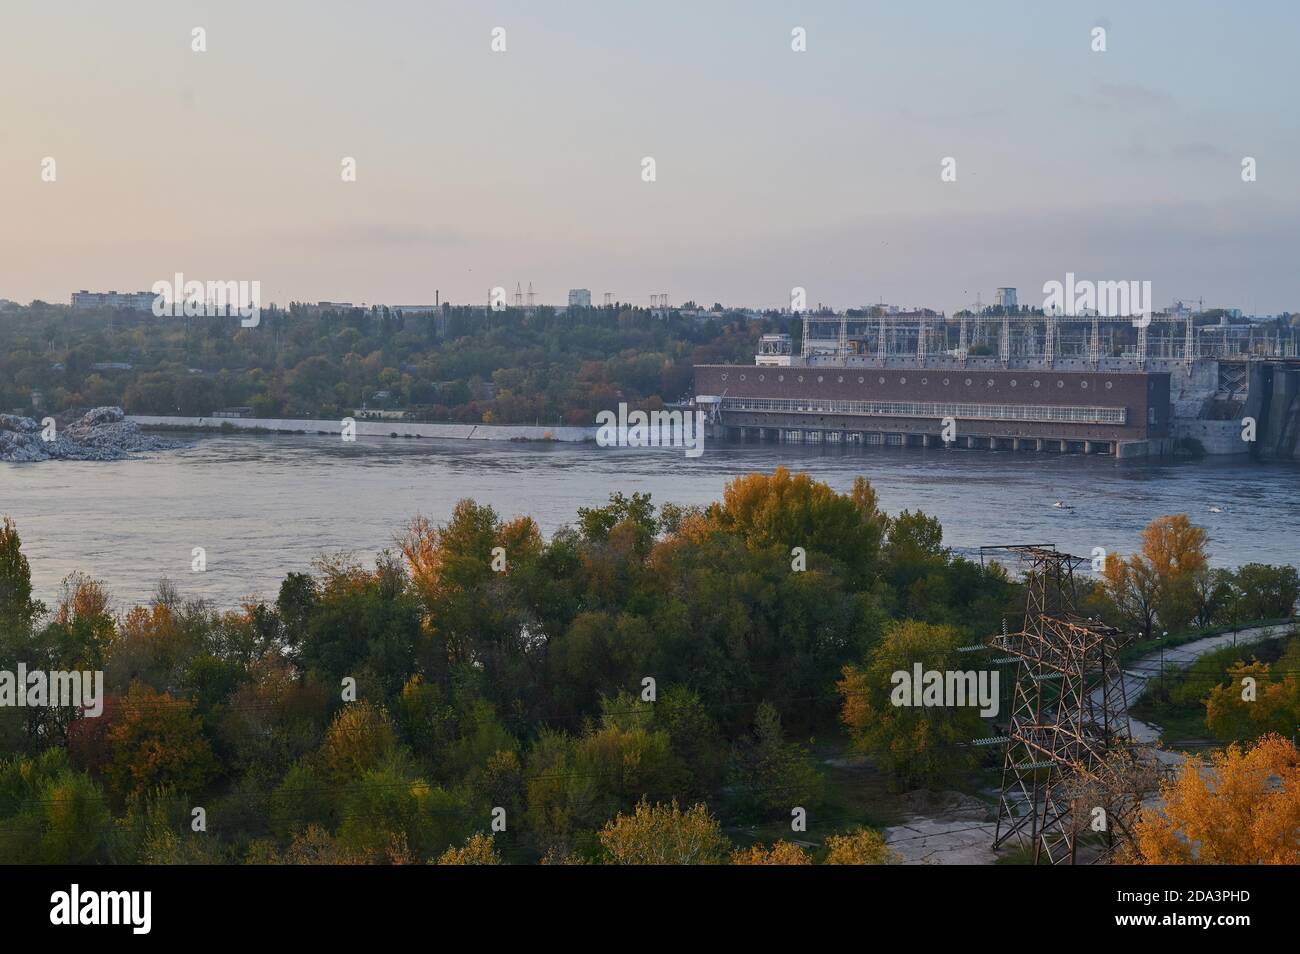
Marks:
<point>1015,381</point>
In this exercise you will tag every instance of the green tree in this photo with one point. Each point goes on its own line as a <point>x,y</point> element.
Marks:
<point>918,744</point>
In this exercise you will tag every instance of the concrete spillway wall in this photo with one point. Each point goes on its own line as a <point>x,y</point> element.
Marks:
<point>1275,393</point>
<point>466,432</point>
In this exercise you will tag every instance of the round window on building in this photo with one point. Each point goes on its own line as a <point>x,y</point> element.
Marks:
<point>990,382</point>
<point>742,377</point>
<point>968,382</point>
<point>862,380</point>
<point>780,377</point>
<point>925,381</point>
<point>1013,382</point>
<point>902,380</point>
<point>840,379</point>
<point>801,379</point>
<point>1084,385</point>
<point>882,380</point>
<point>724,377</point>
<point>1109,385</point>
<point>1060,384</point>
<point>1035,384</point>
<point>819,379</point>
<point>762,377</point>
<point>945,382</point>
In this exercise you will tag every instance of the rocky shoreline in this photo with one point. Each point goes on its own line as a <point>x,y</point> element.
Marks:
<point>102,433</point>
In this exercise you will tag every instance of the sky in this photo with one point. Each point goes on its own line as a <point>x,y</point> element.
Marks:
<point>773,168</point>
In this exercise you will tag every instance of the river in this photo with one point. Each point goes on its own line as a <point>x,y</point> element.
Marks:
<point>262,506</point>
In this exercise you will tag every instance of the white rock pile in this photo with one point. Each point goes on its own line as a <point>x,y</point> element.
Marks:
<point>102,433</point>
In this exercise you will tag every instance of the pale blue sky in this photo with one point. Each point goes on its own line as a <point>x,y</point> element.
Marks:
<point>775,168</point>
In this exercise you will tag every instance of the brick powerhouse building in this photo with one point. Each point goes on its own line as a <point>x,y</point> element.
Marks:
<point>1125,413</point>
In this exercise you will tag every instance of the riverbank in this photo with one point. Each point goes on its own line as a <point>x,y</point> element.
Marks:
<point>101,434</point>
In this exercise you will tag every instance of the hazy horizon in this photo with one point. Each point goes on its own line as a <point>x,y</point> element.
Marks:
<point>775,168</point>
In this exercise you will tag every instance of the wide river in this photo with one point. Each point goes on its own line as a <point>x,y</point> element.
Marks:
<point>262,506</point>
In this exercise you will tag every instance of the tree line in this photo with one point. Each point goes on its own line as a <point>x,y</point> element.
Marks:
<point>642,686</point>
<point>457,364</point>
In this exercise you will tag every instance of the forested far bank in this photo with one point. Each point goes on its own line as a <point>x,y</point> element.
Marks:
<point>457,364</point>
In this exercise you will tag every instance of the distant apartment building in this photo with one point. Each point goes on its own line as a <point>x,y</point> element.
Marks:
<point>1006,298</point>
<point>579,297</point>
<point>134,301</point>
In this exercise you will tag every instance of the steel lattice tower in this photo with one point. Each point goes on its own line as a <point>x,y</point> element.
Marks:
<point>1068,717</point>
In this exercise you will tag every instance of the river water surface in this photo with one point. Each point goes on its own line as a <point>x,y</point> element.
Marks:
<point>262,506</point>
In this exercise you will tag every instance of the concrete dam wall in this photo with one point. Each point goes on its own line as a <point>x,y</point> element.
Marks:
<point>371,428</point>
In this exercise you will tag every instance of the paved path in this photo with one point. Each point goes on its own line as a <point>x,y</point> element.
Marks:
<point>953,840</point>
<point>1142,671</point>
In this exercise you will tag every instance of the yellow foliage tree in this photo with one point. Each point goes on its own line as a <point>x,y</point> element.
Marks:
<point>862,846</point>
<point>1242,808</point>
<point>664,835</point>
<point>1241,710</point>
<point>479,849</point>
<point>359,739</point>
<point>783,510</point>
<point>781,853</point>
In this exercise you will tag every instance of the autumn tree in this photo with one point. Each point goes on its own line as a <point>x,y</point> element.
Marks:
<point>157,740</point>
<point>664,835</point>
<point>782,511</point>
<point>1255,701</point>
<point>360,738</point>
<point>1131,586</point>
<point>1242,807</point>
<point>861,846</point>
<point>780,853</point>
<point>479,849</point>
<point>1164,581</point>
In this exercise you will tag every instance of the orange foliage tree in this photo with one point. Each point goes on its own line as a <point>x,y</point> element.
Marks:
<point>157,740</point>
<point>1242,808</point>
<point>1160,581</point>
<point>781,853</point>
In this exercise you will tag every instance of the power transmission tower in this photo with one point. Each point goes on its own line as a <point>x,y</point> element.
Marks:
<point>1063,767</point>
